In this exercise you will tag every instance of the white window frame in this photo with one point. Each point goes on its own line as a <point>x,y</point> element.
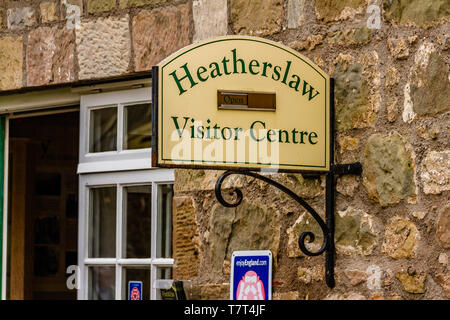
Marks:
<point>108,161</point>
<point>120,180</point>
<point>118,168</point>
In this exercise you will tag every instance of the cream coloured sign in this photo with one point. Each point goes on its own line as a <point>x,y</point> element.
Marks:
<point>241,102</point>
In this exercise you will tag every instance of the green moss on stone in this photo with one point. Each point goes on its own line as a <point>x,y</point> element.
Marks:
<point>418,12</point>
<point>352,95</point>
<point>431,97</point>
<point>98,6</point>
<point>330,10</point>
<point>388,169</point>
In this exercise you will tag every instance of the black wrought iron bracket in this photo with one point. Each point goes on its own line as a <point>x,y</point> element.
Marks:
<point>326,226</point>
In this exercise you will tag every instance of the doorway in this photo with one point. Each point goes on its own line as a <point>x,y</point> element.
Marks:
<point>42,205</point>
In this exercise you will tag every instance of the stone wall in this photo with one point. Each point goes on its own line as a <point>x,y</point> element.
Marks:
<point>390,60</point>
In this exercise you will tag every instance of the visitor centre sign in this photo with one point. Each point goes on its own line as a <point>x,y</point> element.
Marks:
<point>241,102</point>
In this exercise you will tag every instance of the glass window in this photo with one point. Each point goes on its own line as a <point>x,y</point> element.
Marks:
<point>103,130</point>
<point>164,243</point>
<point>125,205</point>
<point>137,127</point>
<point>101,283</point>
<point>102,222</point>
<point>137,221</point>
<point>136,274</point>
<point>144,235</point>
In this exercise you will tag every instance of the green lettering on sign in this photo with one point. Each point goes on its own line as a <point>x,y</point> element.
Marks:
<point>184,78</point>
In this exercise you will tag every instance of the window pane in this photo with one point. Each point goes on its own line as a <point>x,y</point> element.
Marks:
<point>164,273</point>
<point>134,274</point>
<point>137,126</point>
<point>101,283</point>
<point>103,130</point>
<point>102,222</point>
<point>137,232</point>
<point>164,234</point>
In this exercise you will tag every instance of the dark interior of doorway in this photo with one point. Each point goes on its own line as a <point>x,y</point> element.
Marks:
<point>43,206</point>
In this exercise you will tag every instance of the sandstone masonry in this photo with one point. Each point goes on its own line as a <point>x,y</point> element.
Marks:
<point>392,115</point>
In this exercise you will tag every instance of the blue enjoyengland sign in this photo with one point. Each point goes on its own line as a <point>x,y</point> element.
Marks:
<point>251,275</point>
<point>134,290</point>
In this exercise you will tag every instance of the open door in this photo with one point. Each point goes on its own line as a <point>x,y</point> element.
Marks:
<point>43,210</point>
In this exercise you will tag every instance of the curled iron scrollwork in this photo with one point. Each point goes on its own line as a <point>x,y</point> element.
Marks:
<point>239,196</point>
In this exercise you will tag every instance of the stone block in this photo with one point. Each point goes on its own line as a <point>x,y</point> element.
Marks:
<point>428,132</point>
<point>220,223</point>
<point>257,18</point>
<point>392,77</point>
<point>334,10</point>
<point>11,58</point>
<point>103,47</point>
<point>159,33</point>
<point>444,281</point>
<point>354,233</point>
<point>210,19</point>
<point>392,110</point>
<point>349,37</point>
<point>187,180</point>
<point>435,174</point>
<point>428,88</point>
<point>250,226</point>
<point>50,56</point>
<point>211,291</point>
<point>357,94</point>
<point>401,238</point>
<point>347,143</point>
<point>48,12</point>
<point>356,276</point>
<point>305,188</point>
<point>138,3</point>
<point>98,6</point>
<point>309,44</point>
<point>416,12</point>
<point>443,228</point>
<point>388,169</point>
<point>419,214</point>
<point>412,283</point>
<point>309,275</point>
<point>399,48</point>
<point>296,13</point>
<point>186,247</point>
<point>347,184</point>
<point>20,18</point>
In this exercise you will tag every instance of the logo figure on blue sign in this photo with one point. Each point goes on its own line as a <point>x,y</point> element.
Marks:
<point>250,287</point>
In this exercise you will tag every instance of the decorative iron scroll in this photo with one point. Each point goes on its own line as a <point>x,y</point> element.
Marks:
<point>326,226</point>
<point>294,196</point>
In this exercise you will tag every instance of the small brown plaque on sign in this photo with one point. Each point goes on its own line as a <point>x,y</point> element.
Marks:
<point>257,101</point>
